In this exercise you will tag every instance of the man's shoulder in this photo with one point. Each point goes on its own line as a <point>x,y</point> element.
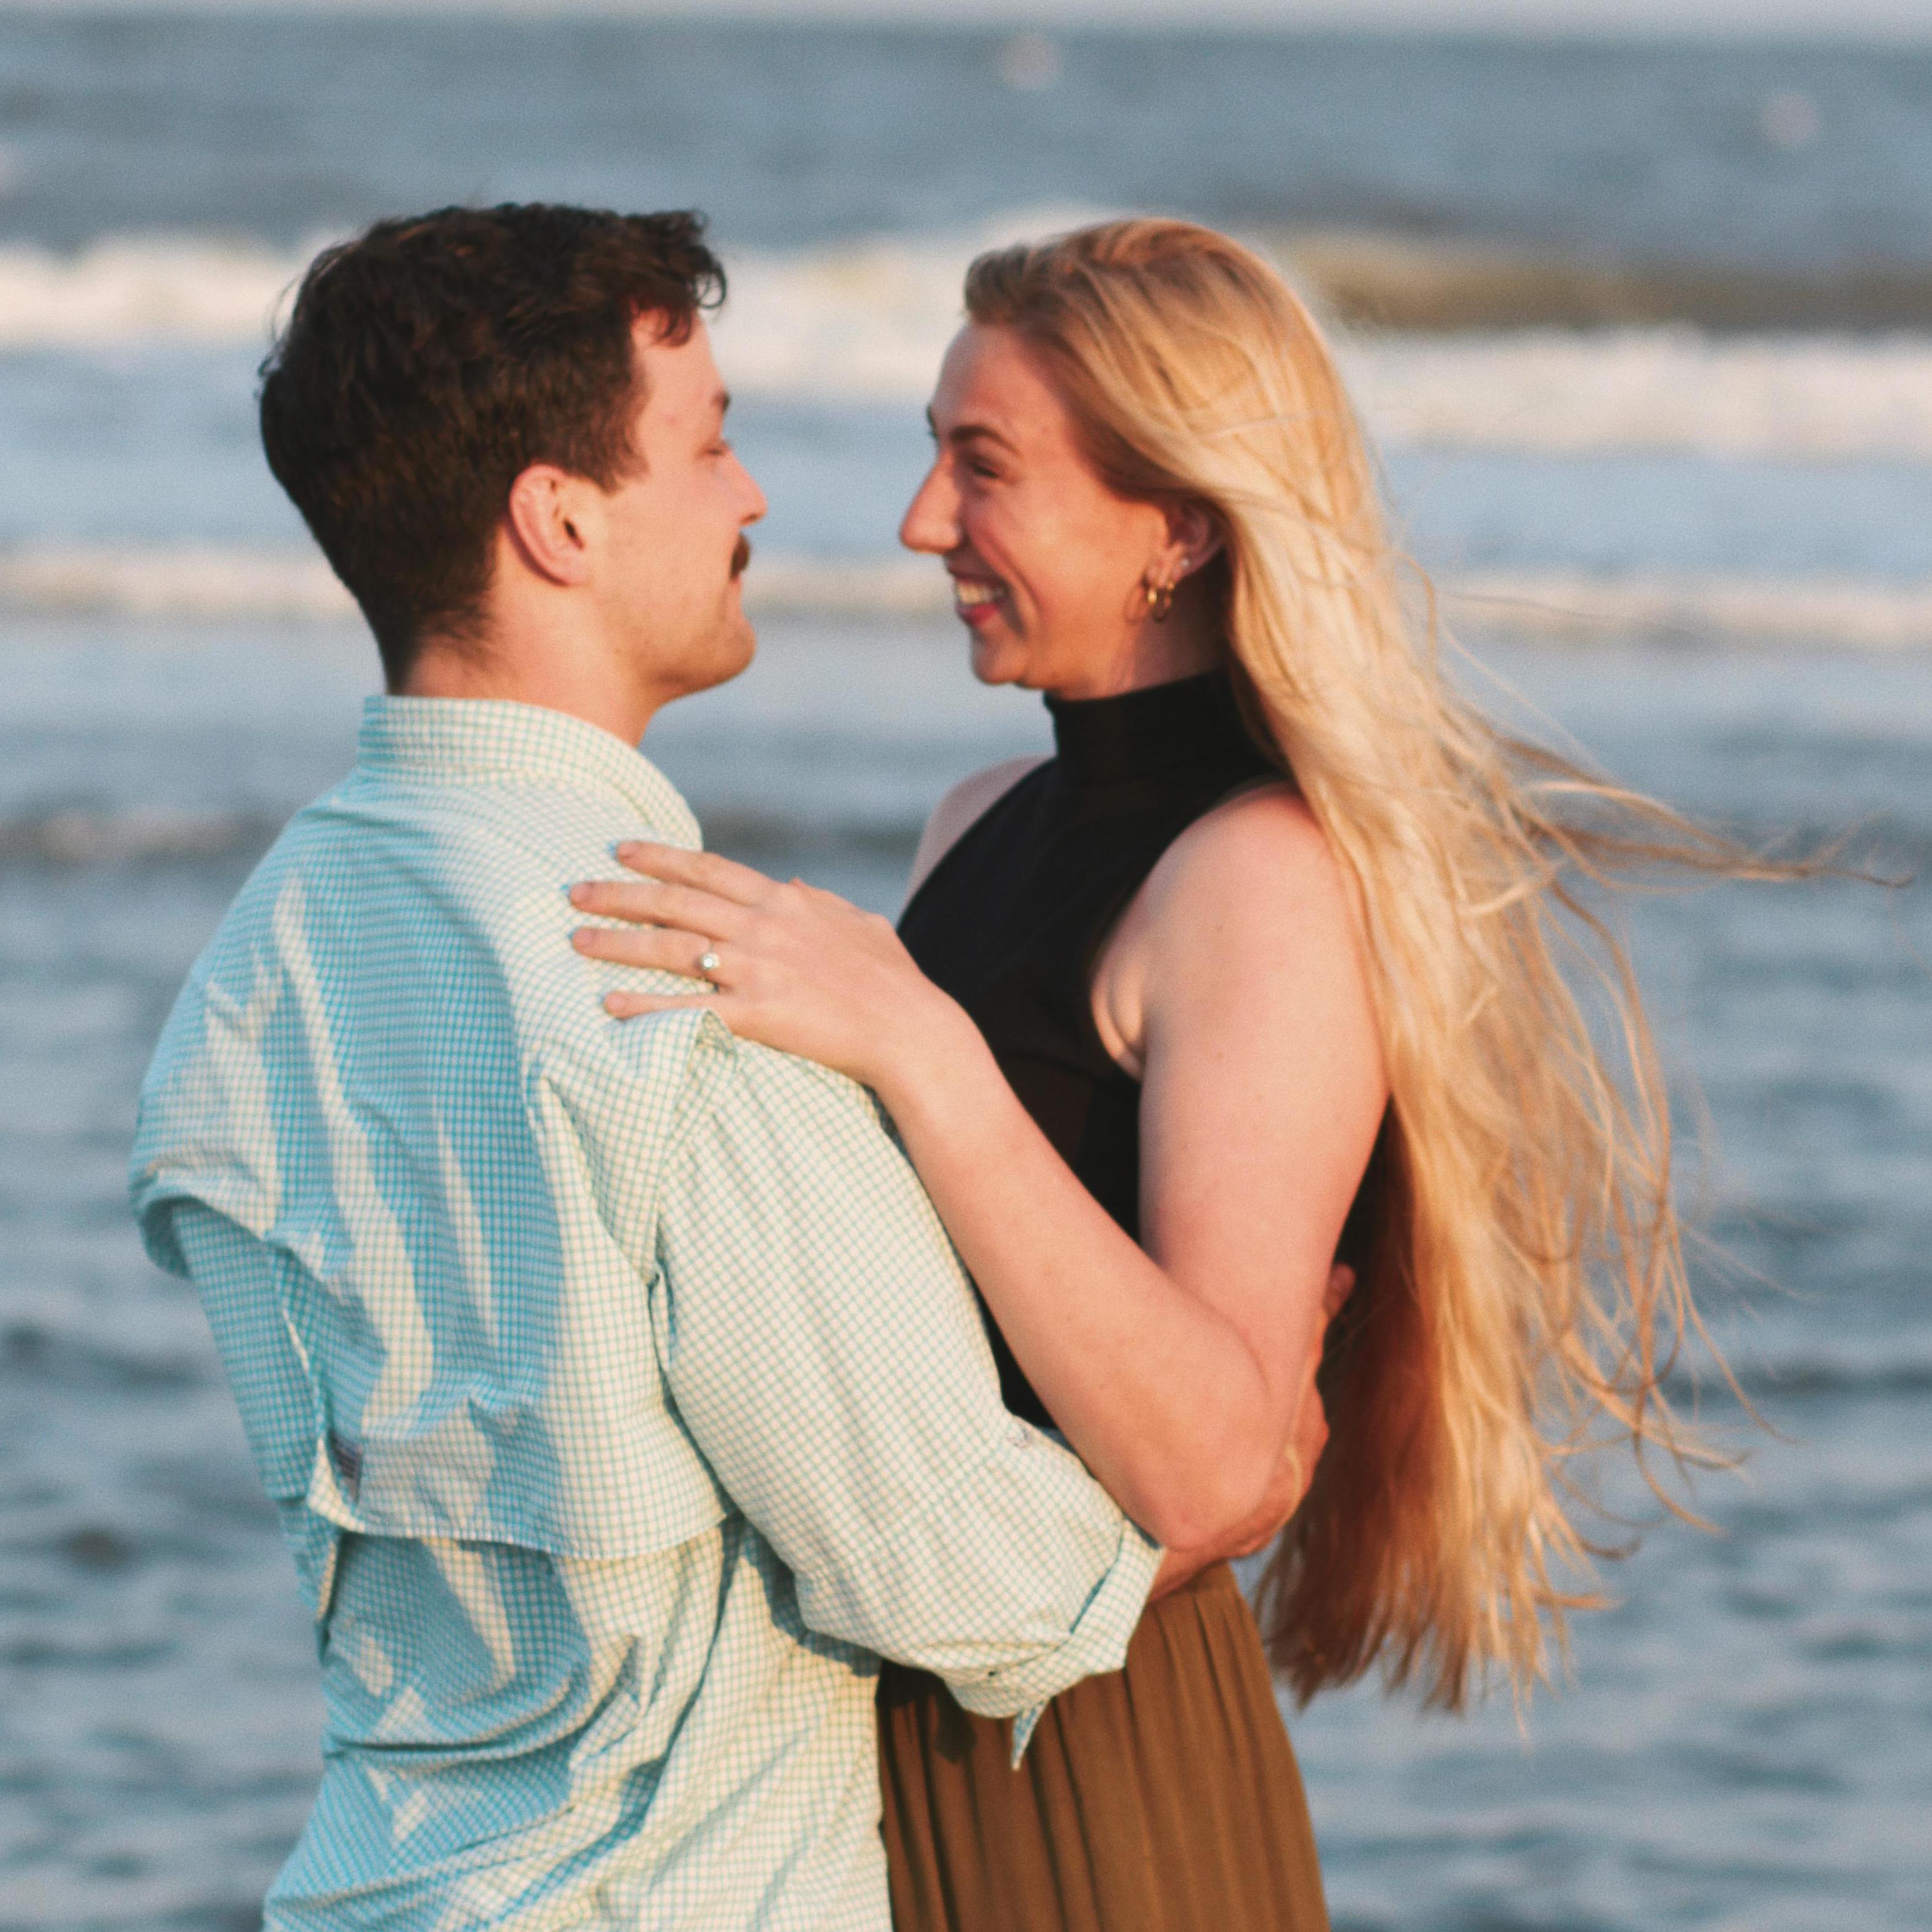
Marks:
<point>409,958</point>
<point>493,860</point>
<point>435,911</point>
<point>487,833</point>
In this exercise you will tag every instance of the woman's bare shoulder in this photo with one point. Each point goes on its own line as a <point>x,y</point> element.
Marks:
<point>1211,879</point>
<point>1267,825</point>
<point>970,799</point>
<point>1249,889</point>
<point>1252,935</point>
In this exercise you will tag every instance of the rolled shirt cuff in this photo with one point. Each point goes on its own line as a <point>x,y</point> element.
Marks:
<point>1017,1580</point>
<point>1097,1643</point>
<point>1026,1722</point>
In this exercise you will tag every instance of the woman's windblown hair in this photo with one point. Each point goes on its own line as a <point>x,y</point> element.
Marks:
<point>1524,1291</point>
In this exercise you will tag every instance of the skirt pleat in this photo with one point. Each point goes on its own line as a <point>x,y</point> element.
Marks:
<point>1161,1798</point>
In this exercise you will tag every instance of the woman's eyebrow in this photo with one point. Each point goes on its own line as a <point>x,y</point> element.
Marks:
<point>971,432</point>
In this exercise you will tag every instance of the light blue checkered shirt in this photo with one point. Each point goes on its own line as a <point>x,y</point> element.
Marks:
<point>622,1397</point>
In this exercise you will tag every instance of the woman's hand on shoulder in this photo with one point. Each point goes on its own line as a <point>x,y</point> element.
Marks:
<point>785,964</point>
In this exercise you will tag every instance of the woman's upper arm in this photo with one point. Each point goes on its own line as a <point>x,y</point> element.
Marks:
<point>1264,1087</point>
<point>966,801</point>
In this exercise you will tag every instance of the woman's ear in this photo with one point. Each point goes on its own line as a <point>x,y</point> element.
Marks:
<point>1194,535</point>
<point>549,514</point>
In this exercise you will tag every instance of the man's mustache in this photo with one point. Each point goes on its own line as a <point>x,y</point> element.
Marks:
<point>741,557</point>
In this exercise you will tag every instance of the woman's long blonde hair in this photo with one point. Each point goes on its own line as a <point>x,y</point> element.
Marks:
<point>1524,1283</point>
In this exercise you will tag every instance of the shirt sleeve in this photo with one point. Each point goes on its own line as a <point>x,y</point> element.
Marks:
<point>236,1276</point>
<point>823,1346</point>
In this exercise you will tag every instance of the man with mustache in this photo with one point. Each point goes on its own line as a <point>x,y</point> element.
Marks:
<point>621,1396</point>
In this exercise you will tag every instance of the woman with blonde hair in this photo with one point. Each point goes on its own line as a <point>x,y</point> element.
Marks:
<point>1278,963</point>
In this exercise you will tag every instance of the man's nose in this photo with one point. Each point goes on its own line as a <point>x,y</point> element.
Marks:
<point>931,521</point>
<point>755,505</point>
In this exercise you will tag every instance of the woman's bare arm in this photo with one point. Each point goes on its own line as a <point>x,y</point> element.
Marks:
<point>1178,1371</point>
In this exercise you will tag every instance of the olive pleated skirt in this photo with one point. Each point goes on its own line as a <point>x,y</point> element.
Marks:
<point>1161,1798</point>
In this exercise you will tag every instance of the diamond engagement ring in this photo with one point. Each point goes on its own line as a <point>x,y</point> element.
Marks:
<point>707,965</point>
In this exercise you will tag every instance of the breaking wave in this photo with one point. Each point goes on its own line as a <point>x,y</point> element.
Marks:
<point>133,289</point>
<point>190,580</point>
<point>1711,609</point>
<point>867,322</point>
<point>864,322</point>
<point>1675,389</point>
<point>292,585</point>
<point>1412,282</point>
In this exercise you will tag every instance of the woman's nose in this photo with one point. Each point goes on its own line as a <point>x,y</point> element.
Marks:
<point>931,521</point>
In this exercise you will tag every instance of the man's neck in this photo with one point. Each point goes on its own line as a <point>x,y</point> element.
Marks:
<point>553,680</point>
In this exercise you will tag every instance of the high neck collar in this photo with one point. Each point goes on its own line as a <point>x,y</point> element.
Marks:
<point>1194,720</point>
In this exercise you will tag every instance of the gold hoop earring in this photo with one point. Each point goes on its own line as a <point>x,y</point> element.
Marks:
<point>1159,601</point>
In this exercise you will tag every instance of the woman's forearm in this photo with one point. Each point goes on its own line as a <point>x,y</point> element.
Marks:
<point>1182,1390</point>
<point>1162,1396</point>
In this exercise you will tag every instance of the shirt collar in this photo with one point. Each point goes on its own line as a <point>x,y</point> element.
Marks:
<point>472,740</point>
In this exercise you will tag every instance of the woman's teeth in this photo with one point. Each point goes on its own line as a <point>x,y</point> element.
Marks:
<point>970,596</point>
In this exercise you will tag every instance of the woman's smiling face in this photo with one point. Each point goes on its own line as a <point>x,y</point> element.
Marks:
<point>1049,566</point>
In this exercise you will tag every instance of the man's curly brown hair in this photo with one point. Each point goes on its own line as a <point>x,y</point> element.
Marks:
<point>429,361</point>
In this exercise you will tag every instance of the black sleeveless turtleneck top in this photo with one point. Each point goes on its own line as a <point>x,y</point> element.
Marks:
<point>1012,920</point>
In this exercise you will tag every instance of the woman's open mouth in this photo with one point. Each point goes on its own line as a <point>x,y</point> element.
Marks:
<point>976,598</point>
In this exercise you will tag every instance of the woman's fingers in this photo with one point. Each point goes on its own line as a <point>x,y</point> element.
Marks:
<point>651,902</point>
<point>798,969</point>
<point>664,948</point>
<point>742,885</point>
<point>634,1005</point>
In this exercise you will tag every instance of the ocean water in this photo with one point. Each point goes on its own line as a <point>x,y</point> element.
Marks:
<point>1694,536</point>
<point>1743,1742</point>
<point>1739,445</point>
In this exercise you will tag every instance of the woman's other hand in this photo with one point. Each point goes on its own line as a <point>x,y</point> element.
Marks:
<point>790,966</point>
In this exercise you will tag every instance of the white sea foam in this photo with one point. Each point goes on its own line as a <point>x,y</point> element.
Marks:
<point>292,585</point>
<point>866,322</point>
<point>869,321</point>
<point>193,581</point>
<point>1666,389</point>
<point>1712,609</point>
<point>128,291</point>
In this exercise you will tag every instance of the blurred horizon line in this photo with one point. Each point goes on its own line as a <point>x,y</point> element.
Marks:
<point>1619,23</point>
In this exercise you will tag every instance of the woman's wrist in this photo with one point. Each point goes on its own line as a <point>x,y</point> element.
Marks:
<point>932,1048</point>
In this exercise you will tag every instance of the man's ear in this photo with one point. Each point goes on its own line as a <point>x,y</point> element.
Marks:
<point>553,520</point>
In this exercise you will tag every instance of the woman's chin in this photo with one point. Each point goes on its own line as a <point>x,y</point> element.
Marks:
<point>996,660</point>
